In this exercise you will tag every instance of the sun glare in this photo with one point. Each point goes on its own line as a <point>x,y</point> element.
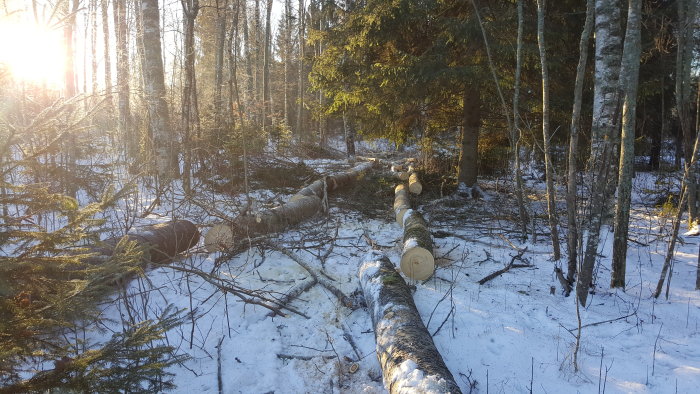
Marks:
<point>32,53</point>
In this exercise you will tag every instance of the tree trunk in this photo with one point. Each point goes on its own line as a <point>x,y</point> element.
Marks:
<point>471,122</point>
<point>219,65</point>
<point>106,55</point>
<point>190,9</point>
<point>407,354</point>
<point>122,59</point>
<point>401,203</point>
<point>546,137</point>
<point>683,89</point>
<point>301,206</point>
<point>603,131</point>
<point>516,133</point>
<point>629,82</point>
<point>267,108</point>
<point>349,129</point>
<point>572,168</point>
<point>154,89</point>
<point>162,242</point>
<point>300,82</point>
<point>248,56</point>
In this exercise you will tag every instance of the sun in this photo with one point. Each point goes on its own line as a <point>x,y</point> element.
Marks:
<point>32,53</point>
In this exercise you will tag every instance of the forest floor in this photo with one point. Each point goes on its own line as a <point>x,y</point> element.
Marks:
<point>514,334</point>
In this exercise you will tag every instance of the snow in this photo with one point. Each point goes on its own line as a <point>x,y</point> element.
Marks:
<point>412,379</point>
<point>508,335</point>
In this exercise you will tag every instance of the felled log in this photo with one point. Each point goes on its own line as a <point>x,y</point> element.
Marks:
<point>160,242</point>
<point>407,354</point>
<point>417,261</point>
<point>401,203</point>
<point>414,185</point>
<point>303,205</point>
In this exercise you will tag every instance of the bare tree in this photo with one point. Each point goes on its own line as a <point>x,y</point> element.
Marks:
<point>516,132</point>
<point>629,82</point>
<point>546,136</point>
<point>572,168</point>
<point>190,9</point>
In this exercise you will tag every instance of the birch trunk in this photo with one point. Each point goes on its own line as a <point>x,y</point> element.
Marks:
<point>407,354</point>
<point>603,131</point>
<point>546,137</point>
<point>572,168</point>
<point>629,82</point>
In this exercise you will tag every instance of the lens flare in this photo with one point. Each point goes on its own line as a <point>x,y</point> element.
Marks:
<point>32,53</point>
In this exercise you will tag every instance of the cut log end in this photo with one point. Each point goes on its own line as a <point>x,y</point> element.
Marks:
<point>219,238</point>
<point>417,263</point>
<point>414,185</point>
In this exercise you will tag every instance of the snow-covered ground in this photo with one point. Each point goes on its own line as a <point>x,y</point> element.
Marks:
<point>514,334</point>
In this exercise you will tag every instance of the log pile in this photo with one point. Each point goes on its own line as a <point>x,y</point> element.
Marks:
<point>303,205</point>
<point>407,354</point>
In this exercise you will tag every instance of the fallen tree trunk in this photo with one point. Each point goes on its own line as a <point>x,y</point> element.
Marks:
<point>407,354</point>
<point>401,203</point>
<point>161,242</point>
<point>417,261</point>
<point>414,185</point>
<point>303,205</point>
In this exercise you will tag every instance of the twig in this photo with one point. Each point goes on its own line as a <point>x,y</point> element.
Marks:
<point>506,268</point>
<point>345,300</point>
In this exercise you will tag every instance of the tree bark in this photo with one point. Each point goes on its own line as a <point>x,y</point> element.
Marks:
<point>629,82</point>
<point>407,354</point>
<point>546,137</point>
<point>603,131</point>
<point>154,89</point>
<point>572,167</point>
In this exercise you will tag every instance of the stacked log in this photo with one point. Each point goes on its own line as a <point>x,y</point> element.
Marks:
<point>407,354</point>
<point>303,205</point>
